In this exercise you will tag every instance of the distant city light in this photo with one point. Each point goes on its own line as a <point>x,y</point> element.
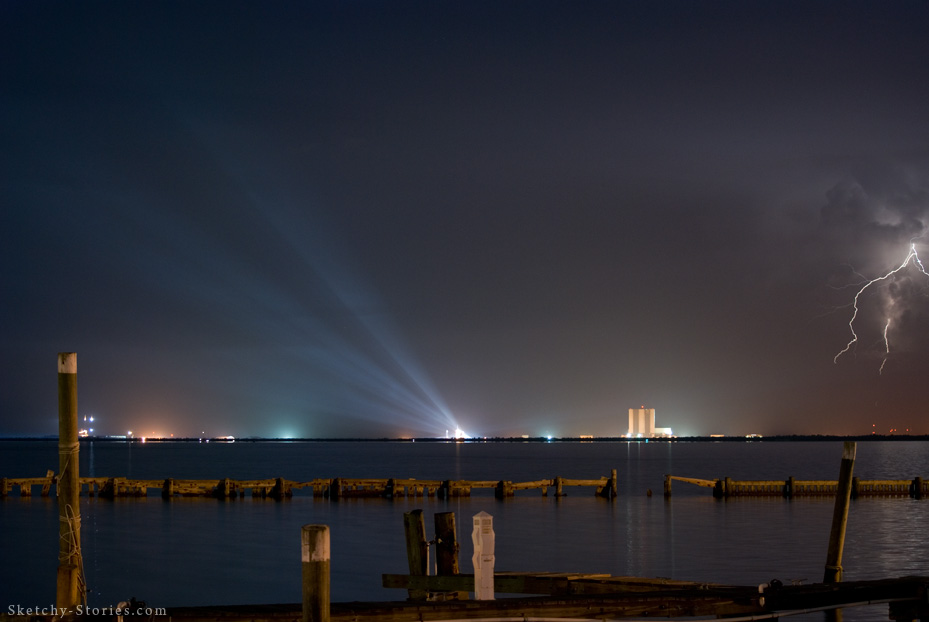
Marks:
<point>87,430</point>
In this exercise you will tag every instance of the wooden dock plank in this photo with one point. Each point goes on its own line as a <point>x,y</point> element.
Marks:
<point>545,583</point>
<point>604,606</point>
<point>905,596</point>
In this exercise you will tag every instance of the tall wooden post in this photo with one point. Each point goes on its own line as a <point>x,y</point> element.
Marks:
<point>417,549</point>
<point>70,584</point>
<point>314,541</point>
<point>833,572</point>
<point>446,550</point>
<point>446,544</point>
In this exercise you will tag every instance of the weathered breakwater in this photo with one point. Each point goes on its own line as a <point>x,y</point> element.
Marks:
<point>916,488</point>
<point>331,488</point>
<point>343,487</point>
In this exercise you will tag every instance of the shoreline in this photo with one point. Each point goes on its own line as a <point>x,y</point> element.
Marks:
<point>501,439</point>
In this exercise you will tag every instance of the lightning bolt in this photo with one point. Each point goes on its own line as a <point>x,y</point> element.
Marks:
<point>886,347</point>
<point>912,256</point>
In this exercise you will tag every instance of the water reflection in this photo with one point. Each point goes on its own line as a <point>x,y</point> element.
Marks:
<point>204,551</point>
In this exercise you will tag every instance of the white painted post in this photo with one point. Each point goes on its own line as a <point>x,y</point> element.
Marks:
<point>483,559</point>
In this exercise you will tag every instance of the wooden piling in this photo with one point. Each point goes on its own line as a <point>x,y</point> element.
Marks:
<point>446,544</point>
<point>446,552</point>
<point>833,570</point>
<point>454,488</point>
<point>612,489</point>
<point>70,590</point>
<point>314,541</point>
<point>504,489</point>
<point>47,484</point>
<point>667,486</point>
<point>559,486</point>
<point>281,489</point>
<point>417,551</point>
<point>110,489</point>
<point>918,488</point>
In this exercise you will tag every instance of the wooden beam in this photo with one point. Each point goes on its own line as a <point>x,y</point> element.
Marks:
<point>609,606</point>
<point>706,483</point>
<point>552,584</point>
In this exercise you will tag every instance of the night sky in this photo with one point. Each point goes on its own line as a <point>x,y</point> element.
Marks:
<point>368,219</point>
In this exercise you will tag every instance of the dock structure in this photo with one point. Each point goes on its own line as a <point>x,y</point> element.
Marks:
<point>331,488</point>
<point>916,488</point>
<point>565,594</point>
<point>584,597</point>
<point>603,596</point>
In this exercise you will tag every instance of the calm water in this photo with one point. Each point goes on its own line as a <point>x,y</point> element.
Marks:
<point>205,551</point>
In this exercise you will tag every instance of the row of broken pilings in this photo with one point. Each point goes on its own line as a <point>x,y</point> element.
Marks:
<point>727,487</point>
<point>336,488</point>
<point>341,488</point>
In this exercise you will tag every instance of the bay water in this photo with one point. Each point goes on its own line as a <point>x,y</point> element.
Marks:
<point>193,551</point>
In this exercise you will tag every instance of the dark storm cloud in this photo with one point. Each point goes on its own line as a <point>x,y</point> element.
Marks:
<point>887,207</point>
<point>873,219</point>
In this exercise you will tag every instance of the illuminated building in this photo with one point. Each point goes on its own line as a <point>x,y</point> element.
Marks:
<point>642,424</point>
